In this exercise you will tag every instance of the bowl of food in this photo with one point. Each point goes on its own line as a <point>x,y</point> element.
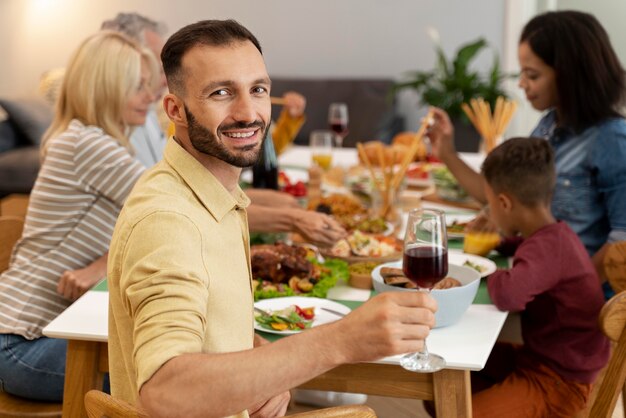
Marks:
<point>461,287</point>
<point>361,274</point>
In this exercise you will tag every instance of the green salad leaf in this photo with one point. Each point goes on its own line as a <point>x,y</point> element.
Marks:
<point>337,270</point>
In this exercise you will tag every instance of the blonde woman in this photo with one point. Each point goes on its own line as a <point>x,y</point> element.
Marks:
<point>86,174</point>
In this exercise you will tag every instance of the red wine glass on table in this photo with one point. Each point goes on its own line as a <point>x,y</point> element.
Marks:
<point>338,121</point>
<point>425,263</point>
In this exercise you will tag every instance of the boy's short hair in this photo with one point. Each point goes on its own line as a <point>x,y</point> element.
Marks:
<point>523,168</point>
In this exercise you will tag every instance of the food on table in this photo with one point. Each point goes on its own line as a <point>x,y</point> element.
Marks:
<point>290,318</point>
<point>480,243</point>
<point>478,267</point>
<point>447,185</point>
<point>392,154</point>
<point>366,245</point>
<point>456,227</point>
<point>447,283</point>
<point>395,277</point>
<point>297,189</point>
<point>350,213</point>
<point>406,139</point>
<point>288,270</point>
<point>361,274</point>
<point>340,204</point>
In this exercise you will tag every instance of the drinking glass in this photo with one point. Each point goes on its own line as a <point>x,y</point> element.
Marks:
<point>425,263</point>
<point>321,144</point>
<point>338,121</point>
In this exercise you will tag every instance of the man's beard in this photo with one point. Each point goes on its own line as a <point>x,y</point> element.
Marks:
<point>208,143</point>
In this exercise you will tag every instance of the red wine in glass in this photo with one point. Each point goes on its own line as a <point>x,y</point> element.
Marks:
<point>339,128</point>
<point>425,265</point>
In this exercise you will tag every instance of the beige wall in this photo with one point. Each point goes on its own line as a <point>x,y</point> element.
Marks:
<point>320,38</point>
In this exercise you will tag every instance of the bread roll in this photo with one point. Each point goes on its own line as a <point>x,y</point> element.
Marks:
<point>406,139</point>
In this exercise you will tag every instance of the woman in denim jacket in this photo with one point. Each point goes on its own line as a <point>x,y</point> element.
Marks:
<point>570,70</point>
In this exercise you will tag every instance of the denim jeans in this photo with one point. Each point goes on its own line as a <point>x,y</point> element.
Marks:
<point>33,369</point>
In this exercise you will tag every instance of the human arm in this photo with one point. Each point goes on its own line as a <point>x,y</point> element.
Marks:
<point>315,227</point>
<point>181,388</point>
<point>535,270</point>
<point>289,121</point>
<point>441,135</point>
<point>608,158</point>
<point>271,198</point>
<point>74,283</point>
<point>106,167</point>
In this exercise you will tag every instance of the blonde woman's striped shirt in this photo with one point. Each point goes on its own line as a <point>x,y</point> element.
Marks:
<point>80,189</point>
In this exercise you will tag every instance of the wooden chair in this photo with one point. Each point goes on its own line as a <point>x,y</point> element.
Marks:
<point>14,205</point>
<point>612,322</point>
<point>12,406</point>
<point>100,405</point>
<point>10,231</point>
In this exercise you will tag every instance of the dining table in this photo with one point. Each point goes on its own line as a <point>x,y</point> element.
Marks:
<point>465,345</point>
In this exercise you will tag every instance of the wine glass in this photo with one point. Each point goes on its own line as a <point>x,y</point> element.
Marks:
<point>425,263</point>
<point>321,144</point>
<point>338,121</point>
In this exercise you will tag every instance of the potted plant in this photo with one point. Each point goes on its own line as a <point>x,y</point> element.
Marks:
<point>453,82</point>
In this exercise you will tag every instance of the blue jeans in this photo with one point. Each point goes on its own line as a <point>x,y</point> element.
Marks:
<point>33,369</point>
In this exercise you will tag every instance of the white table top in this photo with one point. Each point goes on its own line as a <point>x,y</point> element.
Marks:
<point>465,345</point>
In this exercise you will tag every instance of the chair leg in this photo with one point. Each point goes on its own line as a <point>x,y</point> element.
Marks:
<point>624,399</point>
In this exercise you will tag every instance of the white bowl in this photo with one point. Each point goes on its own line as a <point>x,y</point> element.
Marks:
<point>452,302</point>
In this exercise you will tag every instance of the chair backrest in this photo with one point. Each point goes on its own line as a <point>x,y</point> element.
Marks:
<point>10,231</point>
<point>346,411</point>
<point>99,405</point>
<point>614,265</point>
<point>14,205</point>
<point>612,323</point>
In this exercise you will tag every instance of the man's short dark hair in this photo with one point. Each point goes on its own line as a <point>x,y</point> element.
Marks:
<point>205,32</point>
<point>523,168</point>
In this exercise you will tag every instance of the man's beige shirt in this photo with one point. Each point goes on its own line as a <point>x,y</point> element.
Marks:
<point>179,274</point>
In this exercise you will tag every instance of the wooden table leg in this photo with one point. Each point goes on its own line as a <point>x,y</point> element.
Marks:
<point>81,375</point>
<point>453,394</point>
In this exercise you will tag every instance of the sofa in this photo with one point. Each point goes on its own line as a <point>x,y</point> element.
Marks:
<point>371,111</point>
<point>22,124</point>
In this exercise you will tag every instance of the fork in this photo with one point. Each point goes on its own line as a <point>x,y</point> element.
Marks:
<point>332,311</point>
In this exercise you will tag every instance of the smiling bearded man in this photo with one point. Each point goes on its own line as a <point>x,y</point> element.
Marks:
<point>208,143</point>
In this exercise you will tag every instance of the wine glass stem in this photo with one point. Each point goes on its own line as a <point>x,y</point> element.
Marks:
<point>338,140</point>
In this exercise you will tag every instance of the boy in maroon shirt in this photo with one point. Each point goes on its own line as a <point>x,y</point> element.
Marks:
<point>554,285</point>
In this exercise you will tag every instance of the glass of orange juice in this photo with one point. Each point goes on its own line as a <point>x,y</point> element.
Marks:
<point>480,242</point>
<point>321,144</point>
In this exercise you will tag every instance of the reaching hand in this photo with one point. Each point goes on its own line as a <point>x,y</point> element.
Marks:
<point>441,135</point>
<point>318,228</point>
<point>295,103</point>
<point>272,198</point>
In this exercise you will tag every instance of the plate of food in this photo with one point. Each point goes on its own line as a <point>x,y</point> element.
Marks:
<point>281,270</point>
<point>359,246</point>
<point>291,315</point>
<point>482,265</point>
<point>456,223</point>
<point>419,174</point>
